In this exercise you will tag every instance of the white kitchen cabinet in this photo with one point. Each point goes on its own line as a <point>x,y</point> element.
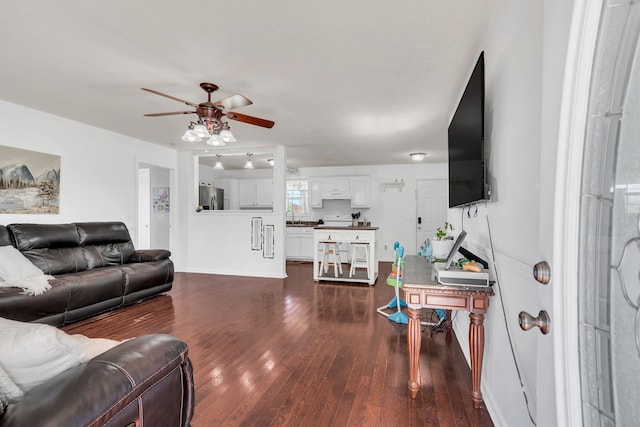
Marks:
<point>315,193</point>
<point>299,243</point>
<point>264,192</point>
<point>360,192</point>
<point>336,187</point>
<point>255,193</point>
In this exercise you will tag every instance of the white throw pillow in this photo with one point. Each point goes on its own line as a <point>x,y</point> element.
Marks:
<point>94,346</point>
<point>33,353</point>
<point>17,271</point>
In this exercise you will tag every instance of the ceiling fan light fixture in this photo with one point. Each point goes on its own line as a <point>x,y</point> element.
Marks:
<point>417,157</point>
<point>227,136</point>
<point>190,137</point>
<point>249,163</point>
<point>218,164</point>
<point>216,141</point>
<point>201,131</point>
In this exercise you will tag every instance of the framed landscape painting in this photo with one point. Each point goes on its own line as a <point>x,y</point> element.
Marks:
<point>29,182</point>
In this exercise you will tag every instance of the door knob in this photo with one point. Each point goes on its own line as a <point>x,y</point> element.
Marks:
<point>527,321</point>
<point>542,272</point>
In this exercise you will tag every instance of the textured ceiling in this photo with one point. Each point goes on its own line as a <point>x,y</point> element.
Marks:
<point>347,82</point>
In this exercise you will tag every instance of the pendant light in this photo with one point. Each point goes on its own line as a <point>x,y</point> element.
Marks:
<point>218,164</point>
<point>249,163</point>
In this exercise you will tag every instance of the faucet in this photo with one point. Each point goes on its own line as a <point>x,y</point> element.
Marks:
<point>293,216</point>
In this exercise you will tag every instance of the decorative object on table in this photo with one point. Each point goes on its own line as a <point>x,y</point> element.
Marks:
<point>354,219</point>
<point>30,182</point>
<point>442,241</point>
<point>395,280</point>
<point>426,250</point>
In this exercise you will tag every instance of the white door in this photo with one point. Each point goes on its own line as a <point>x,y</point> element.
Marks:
<point>432,204</point>
<point>597,263</point>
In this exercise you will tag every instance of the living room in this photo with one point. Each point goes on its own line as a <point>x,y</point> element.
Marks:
<point>528,51</point>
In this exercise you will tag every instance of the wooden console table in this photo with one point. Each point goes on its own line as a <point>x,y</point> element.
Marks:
<point>422,290</point>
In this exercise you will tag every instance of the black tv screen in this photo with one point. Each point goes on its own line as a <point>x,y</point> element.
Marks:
<point>466,143</point>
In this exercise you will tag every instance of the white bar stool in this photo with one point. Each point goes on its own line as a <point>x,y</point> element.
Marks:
<point>359,260</point>
<point>329,248</point>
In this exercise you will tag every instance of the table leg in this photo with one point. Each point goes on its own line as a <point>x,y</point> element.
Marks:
<point>476,348</point>
<point>414,336</point>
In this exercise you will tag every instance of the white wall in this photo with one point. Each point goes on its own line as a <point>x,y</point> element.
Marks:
<point>98,168</point>
<point>219,242</point>
<point>392,210</point>
<point>525,47</point>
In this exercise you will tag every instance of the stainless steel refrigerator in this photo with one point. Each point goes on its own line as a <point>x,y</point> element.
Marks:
<point>211,198</point>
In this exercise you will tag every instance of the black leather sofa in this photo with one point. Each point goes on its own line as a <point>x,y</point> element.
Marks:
<point>95,267</point>
<point>146,381</point>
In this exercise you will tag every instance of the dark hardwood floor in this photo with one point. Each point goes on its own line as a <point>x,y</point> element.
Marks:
<point>273,352</point>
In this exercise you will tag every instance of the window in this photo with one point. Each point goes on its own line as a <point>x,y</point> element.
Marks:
<point>298,197</point>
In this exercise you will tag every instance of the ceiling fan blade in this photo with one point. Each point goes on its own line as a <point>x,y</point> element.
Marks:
<point>170,97</point>
<point>170,114</point>
<point>234,101</point>
<point>250,119</point>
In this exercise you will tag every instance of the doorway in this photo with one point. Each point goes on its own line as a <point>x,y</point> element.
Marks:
<point>154,207</point>
<point>432,207</point>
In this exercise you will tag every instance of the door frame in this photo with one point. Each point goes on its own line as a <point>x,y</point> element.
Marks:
<point>571,140</point>
<point>141,164</point>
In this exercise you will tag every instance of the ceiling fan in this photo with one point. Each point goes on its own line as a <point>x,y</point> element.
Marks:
<point>210,113</point>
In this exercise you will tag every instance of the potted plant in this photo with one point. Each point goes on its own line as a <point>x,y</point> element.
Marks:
<point>442,241</point>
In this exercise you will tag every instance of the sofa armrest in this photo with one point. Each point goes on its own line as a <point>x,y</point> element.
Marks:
<point>109,388</point>
<point>146,255</point>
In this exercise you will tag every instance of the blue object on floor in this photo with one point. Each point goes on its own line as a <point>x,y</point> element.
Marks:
<point>394,303</point>
<point>395,280</point>
<point>399,317</point>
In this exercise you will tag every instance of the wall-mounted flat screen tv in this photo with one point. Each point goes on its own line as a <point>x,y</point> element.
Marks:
<point>466,143</point>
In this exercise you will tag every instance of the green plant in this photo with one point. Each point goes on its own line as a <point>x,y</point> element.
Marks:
<point>442,232</point>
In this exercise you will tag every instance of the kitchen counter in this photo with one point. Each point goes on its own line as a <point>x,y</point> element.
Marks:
<point>333,227</point>
<point>302,224</point>
<point>345,236</point>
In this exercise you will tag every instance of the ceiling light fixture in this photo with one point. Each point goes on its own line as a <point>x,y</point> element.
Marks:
<point>210,115</point>
<point>215,140</point>
<point>249,163</point>
<point>218,164</point>
<point>225,133</point>
<point>217,135</point>
<point>200,131</point>
<point>189,136</point>
<point>271,162</point>
<point>417,157</point>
